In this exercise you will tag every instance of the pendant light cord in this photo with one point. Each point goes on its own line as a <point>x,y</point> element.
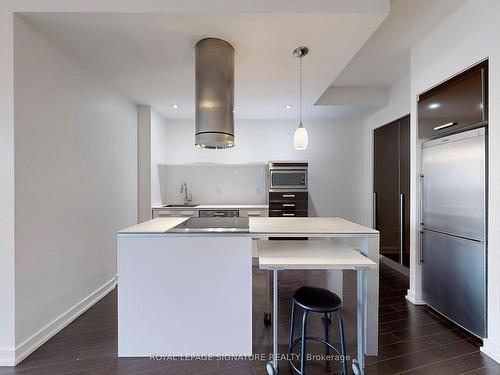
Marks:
<point>300,90</point>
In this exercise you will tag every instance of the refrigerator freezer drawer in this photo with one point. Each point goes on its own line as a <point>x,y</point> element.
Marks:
<point>454,198</point>
<point>454,279</point>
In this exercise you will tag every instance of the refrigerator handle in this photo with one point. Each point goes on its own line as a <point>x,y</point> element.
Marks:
<point>421,213</point>
<point>401,226</point>
<point>421,248</point>
<point>374,209</point>
<point>421,197</point>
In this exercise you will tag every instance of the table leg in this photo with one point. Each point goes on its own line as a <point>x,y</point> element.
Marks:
<point>275,320</point>
<point>370,248</point>
<point>272,366</point>
<point>361,321</point>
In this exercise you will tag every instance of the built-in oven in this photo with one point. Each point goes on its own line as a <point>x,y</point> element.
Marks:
<point>288,176</point>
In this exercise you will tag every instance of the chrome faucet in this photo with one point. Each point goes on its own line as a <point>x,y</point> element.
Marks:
<point>184,189</point>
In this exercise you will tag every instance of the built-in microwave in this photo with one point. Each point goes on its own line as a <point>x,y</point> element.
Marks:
<point>288,176</point>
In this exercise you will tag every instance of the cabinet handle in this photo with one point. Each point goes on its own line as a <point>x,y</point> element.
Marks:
<point>256,213</point>
<point>288,215</point>
<point>401,226</point>
<point>374,208</point>
<point>288,204</point>
<point>447,125</point>
<point>288,195</point>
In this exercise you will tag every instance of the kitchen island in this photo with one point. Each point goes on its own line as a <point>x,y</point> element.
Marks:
<point>183,293</point>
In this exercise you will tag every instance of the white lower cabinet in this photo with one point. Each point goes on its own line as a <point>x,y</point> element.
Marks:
<point>174,213</point>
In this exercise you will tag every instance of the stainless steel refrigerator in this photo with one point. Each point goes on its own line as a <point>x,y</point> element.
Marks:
<point>454,228</point>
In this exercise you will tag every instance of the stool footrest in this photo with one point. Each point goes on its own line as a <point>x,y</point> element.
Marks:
<point>311,338</point>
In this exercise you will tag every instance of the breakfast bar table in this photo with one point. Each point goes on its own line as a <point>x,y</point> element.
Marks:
<point>315,255</point>
<point>355,235</point>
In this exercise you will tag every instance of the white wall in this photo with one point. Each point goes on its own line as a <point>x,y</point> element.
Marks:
<point>7,292</point>
<point>144,162</point>
<point>160,143</point>
<point>454,45</point>
<point>75,179</point>
<point>334,156</point>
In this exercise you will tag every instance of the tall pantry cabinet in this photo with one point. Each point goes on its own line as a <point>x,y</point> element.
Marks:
<point>391,189</point>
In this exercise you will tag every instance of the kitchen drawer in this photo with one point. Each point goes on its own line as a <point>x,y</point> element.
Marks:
<point>162,213</point>
<point>300,196</point>
<point>174,213</point>
<point>292,206</point>
<point>287,213</point>
<point>253,213</point>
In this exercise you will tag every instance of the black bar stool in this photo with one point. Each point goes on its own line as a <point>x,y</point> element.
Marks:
<point>322,301</point>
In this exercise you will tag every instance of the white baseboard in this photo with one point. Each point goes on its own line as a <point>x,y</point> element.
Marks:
<point>38,339</point>
<point>410,296</point>
<point>394,265</point>
<point>491,349</point>
<point>7,356</point>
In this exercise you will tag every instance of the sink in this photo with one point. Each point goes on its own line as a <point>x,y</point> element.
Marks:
<point>181,205</point>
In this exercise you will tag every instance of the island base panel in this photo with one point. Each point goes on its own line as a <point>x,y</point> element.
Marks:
<point>182,296</point>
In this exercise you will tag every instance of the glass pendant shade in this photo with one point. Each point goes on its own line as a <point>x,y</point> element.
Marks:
<point>300,138</point>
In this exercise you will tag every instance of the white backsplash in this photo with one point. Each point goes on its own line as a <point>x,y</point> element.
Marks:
<point>214,183</point>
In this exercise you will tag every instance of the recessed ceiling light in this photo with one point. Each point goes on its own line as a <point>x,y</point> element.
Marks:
<point>175,106</point>
<point>288,106</point>
<point>434,105</point>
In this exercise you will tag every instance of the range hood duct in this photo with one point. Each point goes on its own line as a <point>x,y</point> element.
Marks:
<point>214,94</point>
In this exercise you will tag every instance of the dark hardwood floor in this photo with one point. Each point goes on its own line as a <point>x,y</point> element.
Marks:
<point>413,339</point>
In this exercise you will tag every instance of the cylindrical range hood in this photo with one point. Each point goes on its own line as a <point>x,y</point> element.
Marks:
<point>214,93</point>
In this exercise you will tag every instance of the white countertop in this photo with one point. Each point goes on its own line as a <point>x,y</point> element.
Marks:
<point>269,226</point>
<point>155,226</point>
<point>307,226</point>
<point>313,254</point>
<point>217,207</point>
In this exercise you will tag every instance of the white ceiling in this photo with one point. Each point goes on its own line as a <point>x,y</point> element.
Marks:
<point>385,57</point>
<point>150,56</point>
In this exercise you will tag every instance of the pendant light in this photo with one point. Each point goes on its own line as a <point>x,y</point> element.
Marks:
<point>300,138</point>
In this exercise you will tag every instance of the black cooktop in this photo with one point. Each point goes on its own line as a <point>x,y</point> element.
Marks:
<point>212,225</point>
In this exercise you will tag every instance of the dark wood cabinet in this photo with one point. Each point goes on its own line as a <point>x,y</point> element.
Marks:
<point>455,105</point>
<point>288,204</point>
<point>404,185</point>
<point>392,189</point>
<point>288,196</point>
<point>287,213</point>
